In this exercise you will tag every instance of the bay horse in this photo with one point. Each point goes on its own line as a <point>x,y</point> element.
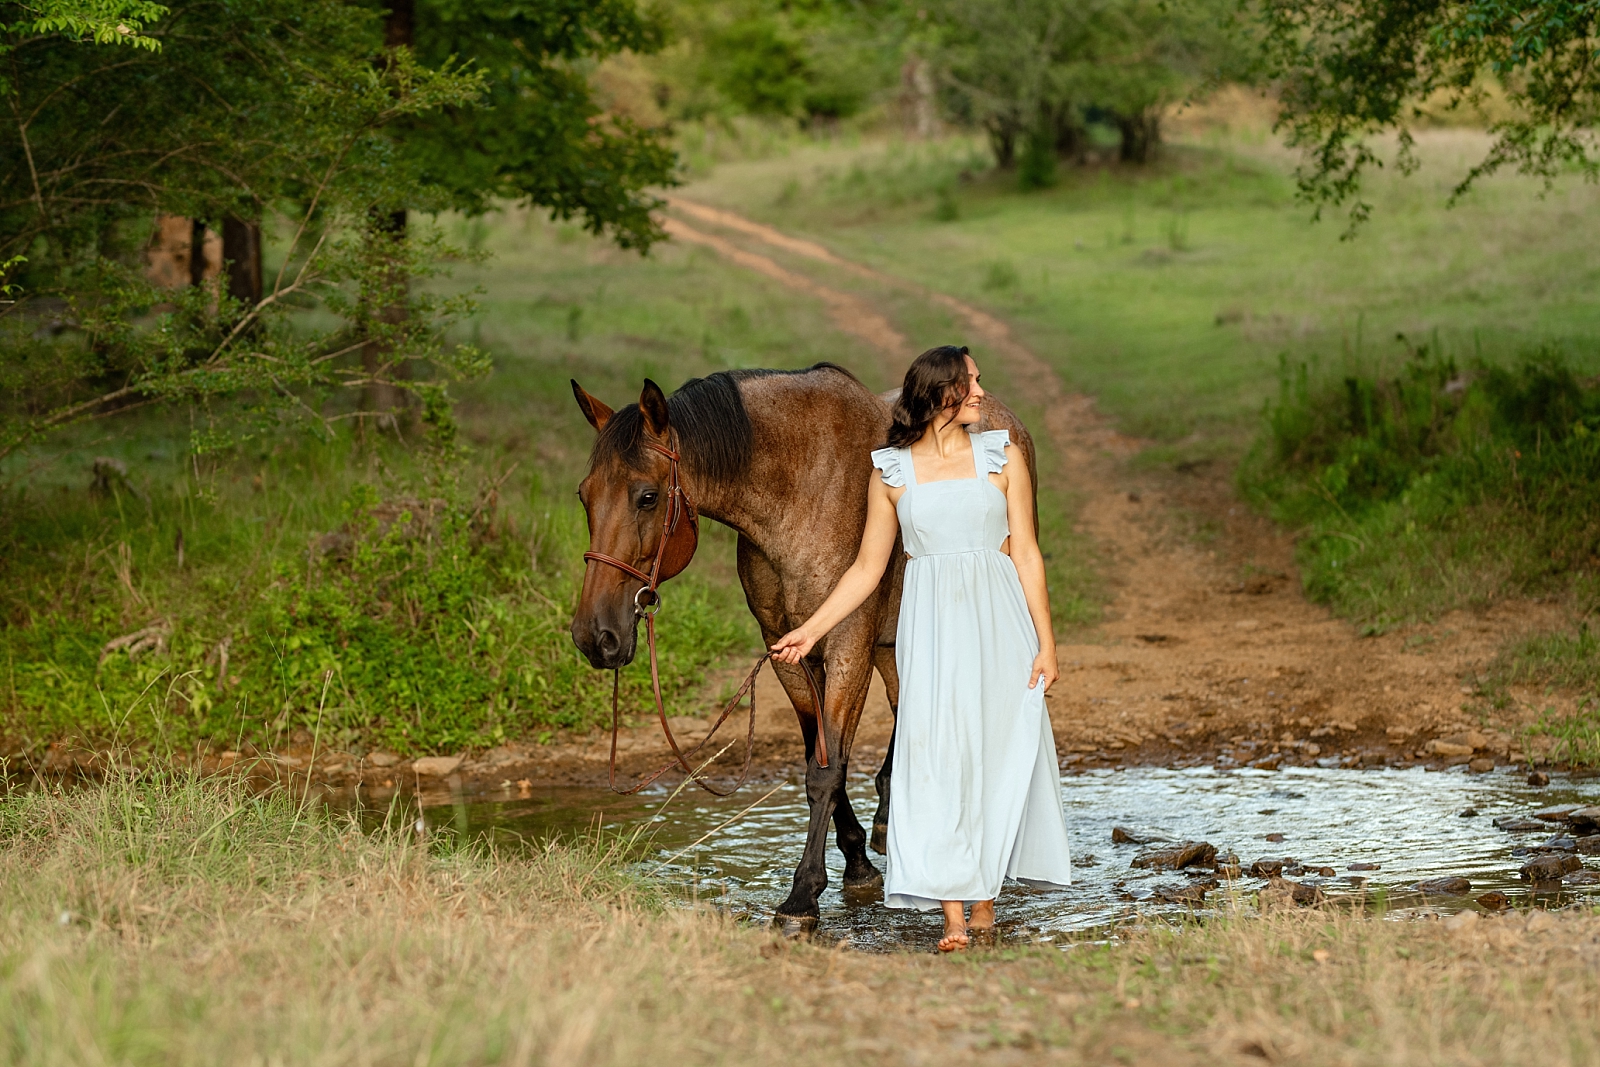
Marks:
<point>782,457</point>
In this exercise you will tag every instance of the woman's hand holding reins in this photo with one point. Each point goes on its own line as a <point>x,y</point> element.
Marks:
<point>793,646</point>
<point>1044,666</point>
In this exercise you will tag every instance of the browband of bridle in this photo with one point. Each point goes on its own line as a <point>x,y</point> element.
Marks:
<point>678,506</point>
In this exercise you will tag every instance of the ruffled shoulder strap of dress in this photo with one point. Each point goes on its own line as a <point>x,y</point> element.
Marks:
<point>992,448</point>
<point>888,462</point>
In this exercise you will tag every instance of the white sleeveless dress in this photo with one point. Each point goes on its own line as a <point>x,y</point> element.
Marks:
<point>975,797</point>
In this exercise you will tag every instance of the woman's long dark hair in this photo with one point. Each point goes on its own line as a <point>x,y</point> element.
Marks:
<point>934,381</point>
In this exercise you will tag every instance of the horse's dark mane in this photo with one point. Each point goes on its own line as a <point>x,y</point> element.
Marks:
<point>708,416</point>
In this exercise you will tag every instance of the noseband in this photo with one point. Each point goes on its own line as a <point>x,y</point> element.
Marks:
<point>674,549</point>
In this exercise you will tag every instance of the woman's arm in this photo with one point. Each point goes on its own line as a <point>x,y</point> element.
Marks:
<point>877,541</point>
<point>1030,565</point>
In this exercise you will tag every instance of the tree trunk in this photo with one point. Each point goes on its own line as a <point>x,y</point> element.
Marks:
<point>1002,142</point>
<point>1071,137</point>
<point>197,252</point>
<point>390,402</point>
<point>241,254</point>
<point>918,102</point>
<point>400,26</point>
<point>1141,133</point>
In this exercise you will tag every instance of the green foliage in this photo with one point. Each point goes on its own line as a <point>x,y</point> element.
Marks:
<point>316,125</point>
<point>1037,168</point>
<point>820,60</point>
<point>275,109</point>
<point>133,343</point>
<point>415,623</point>
<point>759,67</point>
<point>1029,72</point>
<point>1349,71</point>
<point>1435,487</point>
<point>97,21</point>
<point>1568,658</point>
<point>1577,735</point>
<point>1000,275</point>
<point>537,136</point>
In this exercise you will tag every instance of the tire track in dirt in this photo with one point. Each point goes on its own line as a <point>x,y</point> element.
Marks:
<point>850,313</point>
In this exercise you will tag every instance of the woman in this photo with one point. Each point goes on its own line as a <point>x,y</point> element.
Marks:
<point>974,792</point>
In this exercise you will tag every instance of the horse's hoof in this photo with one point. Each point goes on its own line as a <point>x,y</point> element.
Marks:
<point>880,838</point>
<point>794,927</point>
<point>869,887</point>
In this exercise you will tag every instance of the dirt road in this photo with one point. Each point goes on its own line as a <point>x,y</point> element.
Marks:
<point>1206,652</point>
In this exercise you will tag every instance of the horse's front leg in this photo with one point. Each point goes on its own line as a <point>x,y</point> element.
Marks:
<point>847,672</point>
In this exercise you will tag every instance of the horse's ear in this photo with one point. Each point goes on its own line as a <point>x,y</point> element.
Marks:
<point>593,410</point>
<point>653,404</point>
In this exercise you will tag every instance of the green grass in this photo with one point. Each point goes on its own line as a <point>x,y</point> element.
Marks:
<point>1567,659</point>
<point>1170,292</point>
<point>1448,484</point>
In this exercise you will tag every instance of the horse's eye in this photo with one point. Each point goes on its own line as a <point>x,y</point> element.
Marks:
<point>647,500</point>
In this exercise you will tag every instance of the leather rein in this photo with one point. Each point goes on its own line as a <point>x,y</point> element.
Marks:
<point>680,526</point>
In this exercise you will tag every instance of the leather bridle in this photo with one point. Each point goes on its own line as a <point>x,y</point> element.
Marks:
<point>680,536</point>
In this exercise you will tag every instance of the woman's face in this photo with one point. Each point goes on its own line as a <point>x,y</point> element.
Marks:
<point>967,411</point>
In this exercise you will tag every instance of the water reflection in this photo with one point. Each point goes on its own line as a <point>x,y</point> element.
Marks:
<point>1409,823</point>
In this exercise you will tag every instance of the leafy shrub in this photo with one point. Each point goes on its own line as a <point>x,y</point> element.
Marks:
<point>417,625</point>
<point>1437,487</point>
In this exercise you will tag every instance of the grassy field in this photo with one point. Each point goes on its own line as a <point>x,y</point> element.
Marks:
<point>1170,292</point>
<point>169,921</point>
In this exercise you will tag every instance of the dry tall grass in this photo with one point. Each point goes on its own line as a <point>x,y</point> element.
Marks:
<point>179,922</point>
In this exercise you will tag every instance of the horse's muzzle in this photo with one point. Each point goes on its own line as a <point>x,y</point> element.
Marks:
<point>605,645</point>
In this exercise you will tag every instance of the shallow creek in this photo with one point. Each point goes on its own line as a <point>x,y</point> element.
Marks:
<point>1409,822</point>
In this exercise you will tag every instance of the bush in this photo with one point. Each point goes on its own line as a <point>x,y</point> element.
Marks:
<point>417,624</point>
<point>1435,488</point>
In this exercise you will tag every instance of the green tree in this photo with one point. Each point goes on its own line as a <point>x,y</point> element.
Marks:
<point>308,116</point>
<point>1146,55</point>
<point>1005,64</point>
<point>536,136</point>
<point>260,107</point>
<point>1028,70</point>
<point>1349,71</point>
<point>804,59</point>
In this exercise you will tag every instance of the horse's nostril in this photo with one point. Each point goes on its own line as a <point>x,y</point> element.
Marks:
<point>610,643</point>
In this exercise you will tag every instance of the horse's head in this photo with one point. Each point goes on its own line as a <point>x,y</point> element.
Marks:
<point>641,525</point>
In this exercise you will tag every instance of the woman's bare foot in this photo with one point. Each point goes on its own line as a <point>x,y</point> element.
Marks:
<point>955,927</point>
<point>982,916</point>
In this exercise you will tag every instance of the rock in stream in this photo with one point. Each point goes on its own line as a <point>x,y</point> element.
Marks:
<point>1188,854</point>
<point>1549,868</point>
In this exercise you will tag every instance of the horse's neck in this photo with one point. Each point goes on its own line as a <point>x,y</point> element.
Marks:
<point>788,483</point>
